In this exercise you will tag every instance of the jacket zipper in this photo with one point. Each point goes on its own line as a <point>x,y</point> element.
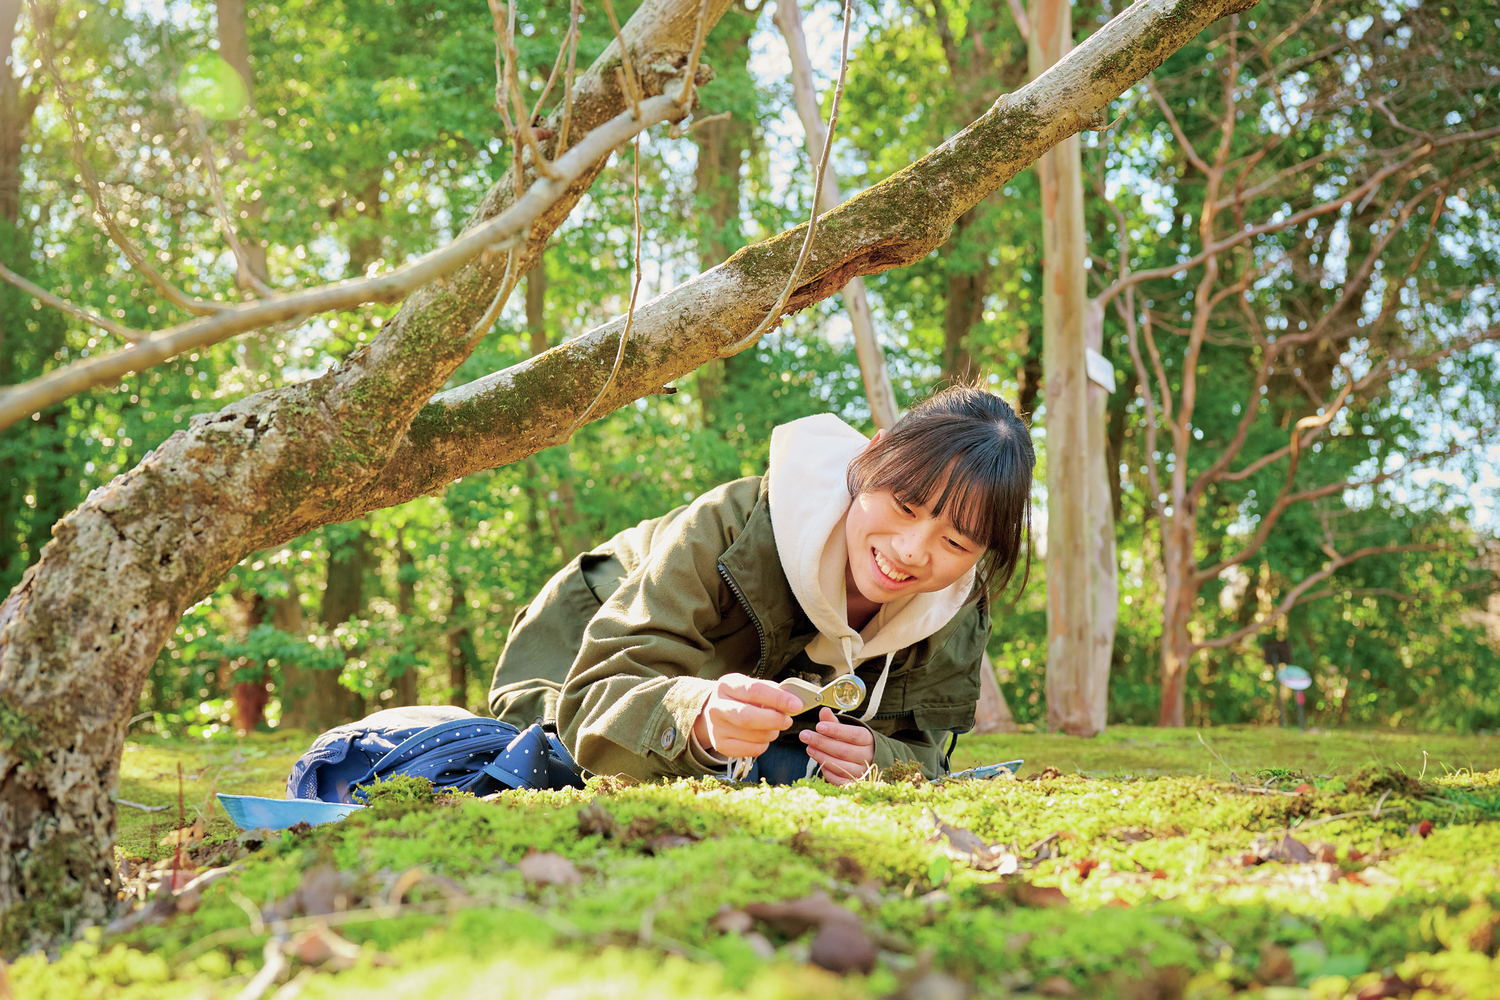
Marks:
<point>759,630</point>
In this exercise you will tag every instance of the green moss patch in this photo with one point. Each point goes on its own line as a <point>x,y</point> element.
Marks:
<point>1176,885</point>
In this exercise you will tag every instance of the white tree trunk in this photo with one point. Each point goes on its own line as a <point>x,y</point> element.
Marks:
<point>1065,382</point>
<point>877,378</point>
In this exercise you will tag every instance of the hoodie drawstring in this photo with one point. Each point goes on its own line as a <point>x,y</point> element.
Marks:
<point>873,705</point>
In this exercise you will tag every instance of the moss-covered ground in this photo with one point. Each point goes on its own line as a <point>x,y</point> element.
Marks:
<point>1155,885</point>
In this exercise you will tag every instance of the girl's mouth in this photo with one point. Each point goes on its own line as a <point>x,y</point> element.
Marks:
<point>891,576</point>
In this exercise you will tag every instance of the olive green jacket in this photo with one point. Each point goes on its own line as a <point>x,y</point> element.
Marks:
<point>623,646</point>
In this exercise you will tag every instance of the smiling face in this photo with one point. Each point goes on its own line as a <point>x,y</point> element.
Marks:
<point>897,549</point>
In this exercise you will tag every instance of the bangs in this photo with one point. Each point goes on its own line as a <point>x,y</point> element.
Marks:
<point>963,455</point>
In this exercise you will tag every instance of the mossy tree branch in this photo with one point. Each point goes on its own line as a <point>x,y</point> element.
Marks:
<point>510,414</point>
<point>80,631</point>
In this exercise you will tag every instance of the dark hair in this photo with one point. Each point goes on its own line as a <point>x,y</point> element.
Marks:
<point>965,451</point>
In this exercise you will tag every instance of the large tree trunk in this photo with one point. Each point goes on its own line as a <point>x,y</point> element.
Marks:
<point>968,283</point>
<point>343,598</point>
<point>1104,567</point>
<point>250,696</point>
<point>295,688</point>
<point>404,687</point>
<point>78,634</point>
<point>1075,691</point>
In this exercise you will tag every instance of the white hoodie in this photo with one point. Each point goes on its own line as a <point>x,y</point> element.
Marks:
<point>809,501</point>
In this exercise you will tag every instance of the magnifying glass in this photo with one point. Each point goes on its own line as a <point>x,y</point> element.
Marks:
<point>844,694</point>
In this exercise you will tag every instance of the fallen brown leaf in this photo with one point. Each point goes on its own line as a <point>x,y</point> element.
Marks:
<point>318,944</point>
<point>1057,986</point>
<point>665,842</point>
<point>842,946</point>
<point>1287,850</point>
<point>1327,853</point>
<point>547,868</point>
<point>796,917</point>
<point>1305,789</point>
<point>1085,867</point>
<point>1275,967</point>
<point>189,836</point>
<point>594,819</point>
<point>1389,988</point>
<point>933,986</point>
<point>1160,873</point>
<point>322,890</point>
<point>728,921</point>
<point>970,849</point>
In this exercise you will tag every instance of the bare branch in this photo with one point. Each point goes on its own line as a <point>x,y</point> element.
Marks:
<point>21,401</point>
<point>628,81</point>
<point>1143,380</point>
<point>1023,23</point>
<point>635,286</point>
<point>1292,596</point>
<point>699,37</point>
<point>574,10</point>
<point>102,213</point>
<point>245,275</point>
<point>47,298</point>
<point>774,316</point>
<point>1182,139</point>
<point>1295,218</point>
<point>1286,498</point>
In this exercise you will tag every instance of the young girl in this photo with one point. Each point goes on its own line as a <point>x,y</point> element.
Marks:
<point>660,653</point>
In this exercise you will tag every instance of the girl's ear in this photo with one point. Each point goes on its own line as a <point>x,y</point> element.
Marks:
<point>878,435</point>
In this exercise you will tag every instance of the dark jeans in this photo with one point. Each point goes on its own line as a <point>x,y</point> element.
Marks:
<point>781,764</point>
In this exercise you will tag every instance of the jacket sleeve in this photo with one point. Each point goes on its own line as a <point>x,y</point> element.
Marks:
<point>638,684</point>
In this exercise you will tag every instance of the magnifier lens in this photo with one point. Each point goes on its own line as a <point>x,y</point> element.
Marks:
<point>847,694</point>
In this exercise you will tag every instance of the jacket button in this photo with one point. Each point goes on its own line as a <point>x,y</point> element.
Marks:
<point>668,736</point>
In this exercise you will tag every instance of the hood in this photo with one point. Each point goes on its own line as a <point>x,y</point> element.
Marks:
<point>809,500</point>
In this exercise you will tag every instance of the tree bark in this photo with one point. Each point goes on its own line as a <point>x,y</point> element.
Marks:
<point>250,696</point>
<point>78,634</point>
<point>343,598</point>
<point>286,615</point>
<point>1075,694</point>
<point>872,369</point>
<point>404,687</point>
<point>967,286</point>
<point>993,715</point>
<point>463,658</point>
<point>1104,571</point>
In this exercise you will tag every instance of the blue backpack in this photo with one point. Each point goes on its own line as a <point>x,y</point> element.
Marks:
<point>453,748</point>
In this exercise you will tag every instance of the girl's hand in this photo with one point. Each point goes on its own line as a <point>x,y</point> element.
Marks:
<point>846,752</point>
<point>743,716</point>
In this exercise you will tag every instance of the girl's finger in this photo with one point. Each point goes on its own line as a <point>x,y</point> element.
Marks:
<point>834,767</point>
<point>753,691</point>
<point>731,747</point>
<point>858,756</point>
<point>750,716</point>
<point>831,727</point>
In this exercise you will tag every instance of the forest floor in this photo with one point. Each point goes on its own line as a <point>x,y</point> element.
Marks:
<point>1141,864</point>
